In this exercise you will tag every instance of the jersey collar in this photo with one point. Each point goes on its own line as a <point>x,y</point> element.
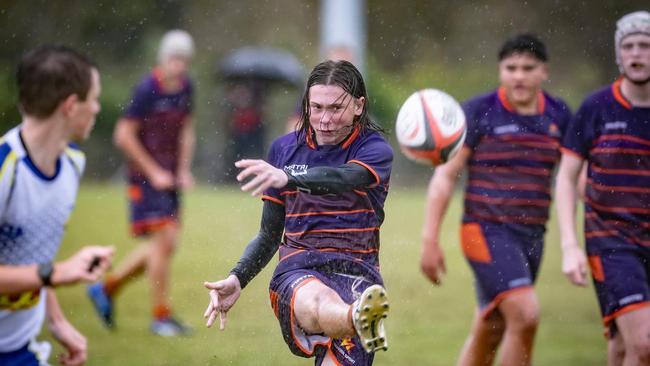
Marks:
<point>541,101</point>
<point>618,94</point>
<point>311,141</point>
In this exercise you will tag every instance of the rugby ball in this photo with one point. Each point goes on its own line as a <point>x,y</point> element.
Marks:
<point>430,127</point>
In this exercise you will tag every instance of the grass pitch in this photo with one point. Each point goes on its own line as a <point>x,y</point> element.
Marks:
<point>427,325</point>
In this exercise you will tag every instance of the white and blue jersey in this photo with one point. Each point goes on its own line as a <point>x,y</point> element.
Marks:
<point>34,209</point>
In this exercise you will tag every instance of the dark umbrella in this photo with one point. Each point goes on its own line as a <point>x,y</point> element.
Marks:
<point>263,64</point>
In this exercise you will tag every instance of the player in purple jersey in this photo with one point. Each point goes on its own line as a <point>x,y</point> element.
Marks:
<point>611,135</point>
<point>58,93</point>
<point>512,145</point>
<point>324,188</point>
<point>157,136</point>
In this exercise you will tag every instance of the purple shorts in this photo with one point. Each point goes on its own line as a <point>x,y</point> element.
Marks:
<point>620,271</point>
<point>348,283</point>
<point>505,259</point>
<point>151,209</point>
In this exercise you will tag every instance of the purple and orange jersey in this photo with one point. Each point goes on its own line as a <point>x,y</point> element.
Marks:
<point>615,139</point>
<point>513,157</point>
<point>161,116</point>
<point>346,223</point>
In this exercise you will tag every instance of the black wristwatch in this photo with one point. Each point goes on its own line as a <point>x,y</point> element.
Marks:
<point>45,271</point>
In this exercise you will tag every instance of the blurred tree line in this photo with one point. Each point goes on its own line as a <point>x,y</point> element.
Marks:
<point>450,45</point>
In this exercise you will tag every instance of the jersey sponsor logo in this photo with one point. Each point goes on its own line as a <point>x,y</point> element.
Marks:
<point>511,128</point>
<point>9,233</point>
<point>630,299</point>
<point>20,301</point>
<point>616,125</point>
<point>296,169</point>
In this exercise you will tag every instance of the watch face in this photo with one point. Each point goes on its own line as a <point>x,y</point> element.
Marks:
<point>45,273</point>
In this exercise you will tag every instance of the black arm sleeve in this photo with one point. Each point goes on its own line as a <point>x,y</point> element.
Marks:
<point>324,180</point>
<point>261,249</point>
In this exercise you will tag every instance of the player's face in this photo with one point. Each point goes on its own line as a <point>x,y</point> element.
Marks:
<point>522,75</point>
<point>634,56</point>
<point>83,117</point>
<point>175,67</point>
<point>331,113</point>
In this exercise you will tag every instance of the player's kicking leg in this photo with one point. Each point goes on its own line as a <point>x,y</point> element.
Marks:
<point>319,309</point>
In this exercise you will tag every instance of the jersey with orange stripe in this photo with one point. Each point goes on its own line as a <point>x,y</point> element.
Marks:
<point>513,157</point>
<point>348,222</point>
<point>614,137</point>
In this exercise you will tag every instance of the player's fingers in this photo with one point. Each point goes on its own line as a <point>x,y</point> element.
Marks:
<point>222,320</point>
<point>213,285</point>
<point>208,310</point>
<point>211,318</point>
<point>245,163</point>
<point>255,182</point>
<point>254,168</point>
<point>262,188</point>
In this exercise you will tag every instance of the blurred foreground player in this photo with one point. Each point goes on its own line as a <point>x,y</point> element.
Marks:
<point>58,91</point>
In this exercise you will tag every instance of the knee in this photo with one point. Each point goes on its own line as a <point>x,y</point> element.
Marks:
<point>639,349</point>
<point>524,319</point>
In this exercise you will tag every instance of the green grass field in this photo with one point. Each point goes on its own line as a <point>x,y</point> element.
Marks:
<point>427,325</point>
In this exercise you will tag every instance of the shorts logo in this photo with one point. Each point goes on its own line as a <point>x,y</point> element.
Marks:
<point>348,344</point>
<point>630,299</point>
<point>299,280</point>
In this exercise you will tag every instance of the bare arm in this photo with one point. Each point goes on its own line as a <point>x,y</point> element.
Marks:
<point>125,137</point>
<point>566,193</point>
<point>186,154</point>
<point>19,279</point>
<point>441,188</point>
<point>69,337</point>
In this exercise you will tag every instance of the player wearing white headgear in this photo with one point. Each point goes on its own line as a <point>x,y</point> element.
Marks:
<point>610,134</point>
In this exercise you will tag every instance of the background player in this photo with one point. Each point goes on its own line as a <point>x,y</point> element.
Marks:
<point>325,187</point>
<point>512,145</point>
<point>58,91</point>
<point>611,134</point>
<point>157,136</point>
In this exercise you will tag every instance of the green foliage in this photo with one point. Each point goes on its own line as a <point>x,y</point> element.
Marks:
<point>427,325</point>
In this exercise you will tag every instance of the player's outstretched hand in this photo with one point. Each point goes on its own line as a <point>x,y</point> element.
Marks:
<point>223,295</point>
<point>265,176</point>
<point>574,265</point>
<point>88,265</point>
<point>74,342</point>
<point>432,262</point>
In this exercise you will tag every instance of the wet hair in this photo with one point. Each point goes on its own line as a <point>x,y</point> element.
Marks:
<point>524,43</point>
<point>344,75</point>
<point>49,74</point>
